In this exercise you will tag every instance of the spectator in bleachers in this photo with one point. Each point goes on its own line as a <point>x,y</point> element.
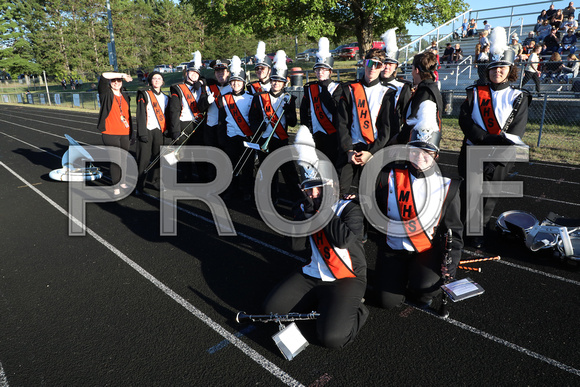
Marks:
<point>544,30</point>
<point>527,50</point>
<point>552,41</point>
<point>464,26</point>
<point>544,50</point>
<point>532,71</point>
<point>482,60</point>
<point>550,12</point>
<point>531,38</point>
<point>472,28</point>
<point>551,68</point>
<point>457,55</point>
<point>516,46</point>
<point>569,10</point>
<point>570,70</point>
<point>541,20</point>
<point>568,42</point>
<point>447,53</point>
<point>557,19</point>
<point>570,24</point>
<point>486,26</point>
<point>483,40</point>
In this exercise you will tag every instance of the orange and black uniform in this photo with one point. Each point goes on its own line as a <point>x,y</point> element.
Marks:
<point>334,282</point>
<point>114,122</point>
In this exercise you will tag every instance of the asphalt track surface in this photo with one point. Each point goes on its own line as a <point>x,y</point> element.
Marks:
<point>125,306</point>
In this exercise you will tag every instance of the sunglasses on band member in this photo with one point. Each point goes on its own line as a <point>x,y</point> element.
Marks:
<point>373,64</point>
<point>117,80</point>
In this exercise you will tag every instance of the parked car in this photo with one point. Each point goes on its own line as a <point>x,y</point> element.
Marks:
<point>335,53</point>
<point>163,68</point>
<point>206,63</point>
<point>351,51</point>
<point>307,55</point>
<point>273,54</point>
<point>182,66</point>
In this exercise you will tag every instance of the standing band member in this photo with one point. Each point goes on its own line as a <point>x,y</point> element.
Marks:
<point>334,281</point>
<point>272,113</point>
<point>213,135</point>
<point>115,119</point>
<point>151,126</point>
<point>388,76</point>
<point>320,101</point>
<point>263,69</point>
<point>234,110</point>
<point>366,121</point>
<point>410,261</point>
<point>492,114</point>
<point>187,105</point>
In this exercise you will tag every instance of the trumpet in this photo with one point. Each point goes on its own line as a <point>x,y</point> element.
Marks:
<point>253,143</point>
<point>183,136</point>
<point>243,318</point>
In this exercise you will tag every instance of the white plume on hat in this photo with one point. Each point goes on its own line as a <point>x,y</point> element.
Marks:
<point>390,39</point>
<point>323,49</point>
<point>261,51</point>
<point>280,60</point>
<point>197,59</point>
<point>425,123</point>
<point>498,42</point>
<point>306,149</point>
<point>235,65</point>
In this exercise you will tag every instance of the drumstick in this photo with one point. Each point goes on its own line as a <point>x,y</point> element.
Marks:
<point>478,269</point>
<point>496,258</point>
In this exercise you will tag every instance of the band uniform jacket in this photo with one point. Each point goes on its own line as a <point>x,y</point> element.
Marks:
<point>431,205</point>
<point>257,86</point>
<point>383,118</point>
<point>508,107</point>
<point>426,90</point>
<point>257,114</point>
<point>213,110</point>
<point>235,119</point>
<point>404,93</point>
<point>329,94</point>
<point>179,109</point>
<point>343,235</point>
<point>146,117</point>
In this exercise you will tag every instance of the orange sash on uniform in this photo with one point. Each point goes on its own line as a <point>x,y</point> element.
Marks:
<point>320,115</point>
<point>338,268</point>
<point>238,117</point>
<point>407,210</point>
<point>190,100</point>
<point>272,116</point>
<point>486,110</point>
<point>157,109</point>
<point>257,87</point>
<point>363,112</point>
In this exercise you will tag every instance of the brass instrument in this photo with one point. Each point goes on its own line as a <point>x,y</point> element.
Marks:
<point>253,143</point>
<point>243,318</point>
<point>182,136</point>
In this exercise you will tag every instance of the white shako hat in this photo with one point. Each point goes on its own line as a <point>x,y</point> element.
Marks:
<point>500,53</point>
<point>261,58</point>
<point>426,133</point>
<point>195,64</point>
<point>323,56</point>
<point>390,39</point>
<point>308,161</point>
<point>279,67</point>
<point>237,73</point>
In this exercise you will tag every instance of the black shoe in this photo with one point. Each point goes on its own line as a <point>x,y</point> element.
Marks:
<point>477,242</point>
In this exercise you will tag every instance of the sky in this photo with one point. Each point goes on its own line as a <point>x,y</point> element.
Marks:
<point>491,6</point>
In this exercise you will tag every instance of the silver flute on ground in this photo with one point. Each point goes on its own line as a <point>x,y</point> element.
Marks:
<point>242,317</point>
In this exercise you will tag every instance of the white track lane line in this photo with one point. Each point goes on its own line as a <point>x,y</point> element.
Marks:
<point>246,349</point>
<point>56,117</point>
<point>57,125</point>
<point>3,380</point>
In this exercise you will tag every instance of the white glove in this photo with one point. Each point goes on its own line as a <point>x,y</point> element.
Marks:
<point>210,98</point>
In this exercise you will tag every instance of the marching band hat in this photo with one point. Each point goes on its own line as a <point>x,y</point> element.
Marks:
<point>237,73</point>
<point>279,67</point>
<point>195,65</point>
<point>308,162</point>
<point>391,49</point>
<point>218,64</point>
<point>426,133</point>
<point>261,58</point>
<point>501,54</point>
<point>150,76</point>
<point>323,56</point>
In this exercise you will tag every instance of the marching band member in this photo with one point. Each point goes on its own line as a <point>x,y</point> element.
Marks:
<point>213,135</point>
<point>366,121</point>
<point>263,69</point>
<point>334,281</point>
<point>151,125</point>
<point>320,101</point>
<point>115,119</point>
<point>187,105</point>
<point>490,114</point>
<point>234,110</point>
<point>277,110</point>
<point>411,257</point>
<point>388,75</point>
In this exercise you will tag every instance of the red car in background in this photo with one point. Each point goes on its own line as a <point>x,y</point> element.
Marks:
<point>350,52</point>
